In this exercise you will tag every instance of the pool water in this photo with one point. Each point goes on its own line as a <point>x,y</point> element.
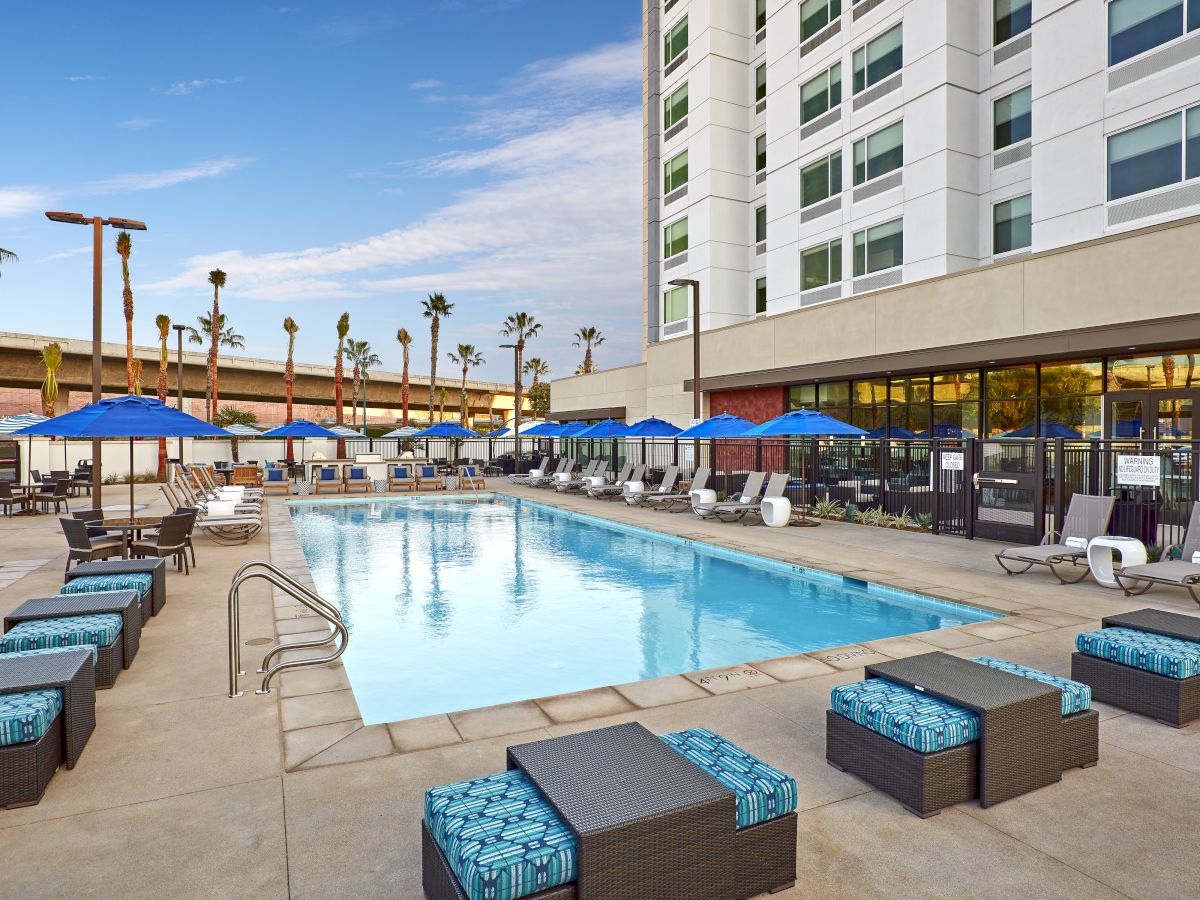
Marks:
<point>456,604</point>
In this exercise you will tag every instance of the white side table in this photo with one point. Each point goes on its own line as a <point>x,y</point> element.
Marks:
<point>702,496</point>
<point>595,481</point>
<point>1099,557</point>
<point>631,489</point>
<point>776,511</point>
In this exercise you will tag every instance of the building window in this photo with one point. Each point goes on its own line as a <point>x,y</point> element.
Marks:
<point>1135,26</point>
<point>1012,224</point>
<point>879,153</point>
<point>675,172</point>
<point>760,295</point>
<point>877,59</point>
<point>1013,118</point>
<point>675,42</point>
<point>675,107</point>
<point>821,94</point>
<point>1159,153</point>
<point>1012,400</point>
<point>816,14</point>
<point>760,153</point>
<point>760,83</point>
<point>675,305</point>
<point>821,265</point>
<point>760,15</point>
<point>879,247</point>
<point>1012,17</point>
<point>821,180</point>
<point>675,238</point>
<point>760,225</point>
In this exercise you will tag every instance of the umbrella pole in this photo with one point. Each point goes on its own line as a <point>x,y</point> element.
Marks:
<point>131,478</point>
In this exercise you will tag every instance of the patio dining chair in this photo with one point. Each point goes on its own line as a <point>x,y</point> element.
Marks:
<point>56,497</point>
<point>8,499</point>
<point>170,541</point>
<point>82,547</point>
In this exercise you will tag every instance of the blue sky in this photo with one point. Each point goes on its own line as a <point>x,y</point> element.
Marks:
<point>331,157</point>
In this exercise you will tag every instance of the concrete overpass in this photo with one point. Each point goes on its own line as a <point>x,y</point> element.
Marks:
<point>240,379</point>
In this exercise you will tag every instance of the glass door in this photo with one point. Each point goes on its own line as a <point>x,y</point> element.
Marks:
<point>1151,415</point>
<point>1173,418</point>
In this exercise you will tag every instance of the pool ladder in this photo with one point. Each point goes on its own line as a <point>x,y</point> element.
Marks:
<point>259,568</point>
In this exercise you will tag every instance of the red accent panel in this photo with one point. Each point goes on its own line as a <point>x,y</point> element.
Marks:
<point>756,404</point>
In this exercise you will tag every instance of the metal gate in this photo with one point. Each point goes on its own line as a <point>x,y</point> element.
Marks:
<point>1008,481</point>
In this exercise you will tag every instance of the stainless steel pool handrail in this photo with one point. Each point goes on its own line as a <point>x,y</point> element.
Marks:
<point>275,576</point>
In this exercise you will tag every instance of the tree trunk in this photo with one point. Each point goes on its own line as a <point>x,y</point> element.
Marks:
<point>289,377</point>
<point>433,337</point>
<point>233,446</point>
<point>162,397</point>
<point>404,392</point>
<point>216,336</point>
<point>339,417</point>
<point>587,360</point>
<point>128,341</point>
<point>462,401</point>
<point>517,394</point>
<point>208,387</point>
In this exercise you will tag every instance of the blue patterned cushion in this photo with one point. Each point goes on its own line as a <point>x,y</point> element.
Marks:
<point>763,792</point>
<point>274,474</point>
<point>98,630</point>
<point>124,581</point>
<point>1168,656</point>
<point>358,474</point>
<point>501,837</point>
<point>1076,697</point>
<point>27,715</point>
<point>908,717</point>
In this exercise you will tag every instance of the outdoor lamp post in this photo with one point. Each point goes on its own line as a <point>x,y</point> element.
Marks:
<point>695,286</point>
<point>516,409</point>
<point>97,223</point>
<point>179,330</point>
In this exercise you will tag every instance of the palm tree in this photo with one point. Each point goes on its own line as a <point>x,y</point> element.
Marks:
<point>124,248</point>
<point>537,368</point>
<point>163,324</point>
<point>217,279</point>
<point>588,336</point>
<point>135,366</point>
<point>443,393</point>
<point>518,327</point>
<point>7,256</point>
<point>289,371</point>
<point>405,340</point>
<point>434,308</point>
<point>225,337</point>
<point>365,359</point>
<point>52,359</point>
<point>343,328</point>
<point>467,357</point>
<point>231,415</point>
<point>355,350</point>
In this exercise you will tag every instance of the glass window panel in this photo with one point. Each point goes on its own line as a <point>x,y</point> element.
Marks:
<point>1145,158</point>
<point>675,107</point>
<point>884,55</point>
<point>1180,369</point>
<point>878,248</point>
<point>1012,224</point>
<point>676,40</point>
<point>871,392</point>
<point>675,304</point>
<point>821,265</point>
<point>802,396</point>
<point>820,94</point>
<point>909,390</point>
<point>1135,26</point>
<point>1004,416</point>
<point>760,224</point>
<point>816,14</point>
<point>1012,18</point>
<point>1073,377</point>
<point>956,420</point>
<point>760,82</point>
<point>760,295</point>
<point>860,161</point>
<point>869,418</point>
<point>1013,117</point>
<point>1011,382</point>
<point>821,180</point>
<point>760,153</point>
<point>956,386</point>
<point>675,238</point>
<point>1071,417</point>
<point>760,14</point>
<point>1192,138</point>
<point>834,393</point>
<point>675,173</point>
<point>914,417</point>
<point>879,153</point>
<point>1193,15</point>
<point>835,85</point>
<point>860,69</point>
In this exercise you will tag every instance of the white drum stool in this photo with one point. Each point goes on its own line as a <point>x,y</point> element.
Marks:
<point>776,511</point>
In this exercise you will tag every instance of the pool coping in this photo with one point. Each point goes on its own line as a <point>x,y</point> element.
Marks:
<point>322,726</point>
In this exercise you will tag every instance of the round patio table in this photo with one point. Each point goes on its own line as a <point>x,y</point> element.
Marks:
<point>131,528</point>
<point>30,489</point>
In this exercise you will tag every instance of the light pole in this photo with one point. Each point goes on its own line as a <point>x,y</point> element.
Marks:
<point>695,286</point>
<point>97,223</point>
<point>516,407</point>
<point>179,330</point>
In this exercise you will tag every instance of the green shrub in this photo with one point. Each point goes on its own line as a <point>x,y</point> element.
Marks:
<point>826,508</point>
<point>925,521</point>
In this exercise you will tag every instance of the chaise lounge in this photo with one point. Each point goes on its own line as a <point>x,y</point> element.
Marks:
<point>1183,572</point>
<point>1087,518</point>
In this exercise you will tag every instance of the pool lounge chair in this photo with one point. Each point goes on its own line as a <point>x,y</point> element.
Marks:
<point>564,483</point>
<point>277,482</point>
<point>1087,518</point>
<point>753,511</point>
<point>678,502</point>
<point>616,490</point>
<point>400,478</point>
<point>666,486</point>
<point>208,484</point>
<point>356,477</point>
<point>1183,572</point>
<point>565,464</point>
<point>329,479</point>
<point>748,495</point>
<point>428,479</point>
<point>469,478</point>
<point>523,477</point>
<point>620,479</point>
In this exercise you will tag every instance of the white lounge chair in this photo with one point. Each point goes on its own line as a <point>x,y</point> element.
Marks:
<point>617,487</point>
<point>740,512</point>
<point>1087,518</point>
<point>566,464</point>
<point>1183,572</point>
<point>678,502</point>
<point>666,486</point>
<point>567,485</point>
<point>749,494</point>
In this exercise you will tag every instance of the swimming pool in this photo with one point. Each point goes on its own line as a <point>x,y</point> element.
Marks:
<point>454,604</point>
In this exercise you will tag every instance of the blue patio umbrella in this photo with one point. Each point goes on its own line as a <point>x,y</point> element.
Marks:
<point>605,429</point>
<point>802,422</point>
<point>572,429</point>
<point>894,431</point>
<point>946,430</point>
<point>545,429</point>
<point>446,430</point>
<point>1049,429</point>
<point>501,432</point>
<point>721,426</point>
<point>130,417</point>
<point>299,428</point>
<point>652,428</point>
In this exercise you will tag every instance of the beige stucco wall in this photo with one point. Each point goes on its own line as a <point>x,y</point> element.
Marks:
<point>1143,275</point>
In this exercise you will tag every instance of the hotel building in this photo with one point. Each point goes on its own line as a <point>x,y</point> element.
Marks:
<point>920,214</point>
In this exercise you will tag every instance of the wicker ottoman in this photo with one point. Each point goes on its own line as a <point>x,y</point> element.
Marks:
<point>614,813</point>
<point>115,569</point>
<point>101,633</point>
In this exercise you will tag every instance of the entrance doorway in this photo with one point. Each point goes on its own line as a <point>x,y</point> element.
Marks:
<point>1152,415</point>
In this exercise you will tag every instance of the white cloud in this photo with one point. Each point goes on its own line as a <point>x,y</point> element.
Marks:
<point>183,88</point>
<point>426,84</point>
<point>138,124</point>
<point>88,77</point>
<point>18,201</point>
<point>151,181</point>
<point>66,254</point>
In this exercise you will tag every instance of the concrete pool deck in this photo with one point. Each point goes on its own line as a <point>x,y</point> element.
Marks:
<point>289,795</point>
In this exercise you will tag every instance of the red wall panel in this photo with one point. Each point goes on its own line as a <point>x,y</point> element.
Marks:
<point>756,404</point>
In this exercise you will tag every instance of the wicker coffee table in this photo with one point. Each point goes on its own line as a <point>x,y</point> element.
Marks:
<point>123,602</point>
<point>649,822</point>
<point>1020,720</point>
